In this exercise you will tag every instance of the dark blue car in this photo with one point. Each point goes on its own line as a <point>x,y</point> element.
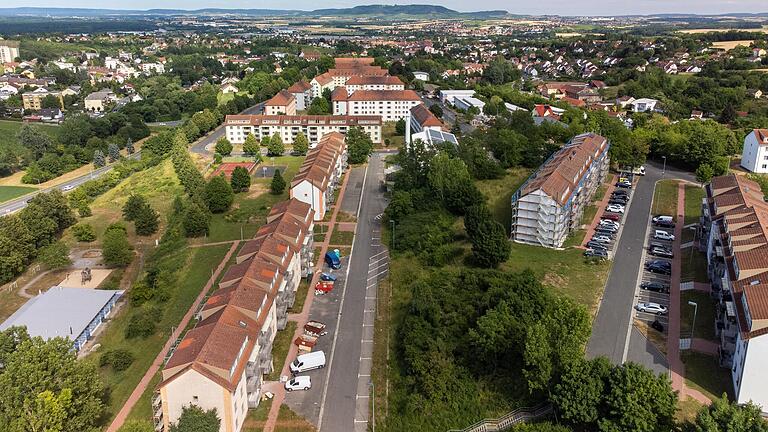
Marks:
<point>333,260</point>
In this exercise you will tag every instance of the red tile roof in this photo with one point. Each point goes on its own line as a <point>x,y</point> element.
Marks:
<point>424,116</point>
<point>300,87</point>
<point>282,98</point>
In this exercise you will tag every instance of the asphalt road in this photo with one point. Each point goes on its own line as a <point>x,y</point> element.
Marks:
<point>613,335</point>
<point>201,146</point>
<point>17,204</point>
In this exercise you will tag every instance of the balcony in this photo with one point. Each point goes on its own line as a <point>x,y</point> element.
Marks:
<point>251,369</point>
<point>253,384</point>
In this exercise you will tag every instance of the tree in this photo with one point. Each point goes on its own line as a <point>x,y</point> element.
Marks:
<point>98,159</point>
<point>490,246</point>
<point>116,250</point>
<point>276,147</point>
<point>84,232</point>
<point>725,416</point>
<point>196,219</point>
<point>185,168</point>
<point>251,146</point>
<point>240,180</point>
<point>265,140</point>
<point>223,146</point>
<point>278,184</point>
<point>436,110</point>
<point>319,106</point>
<point>55,256</point>
<point>704,173</point>
<point>75,130</point>
<point>142,426</point>
<point>359,145</point>
<point>133,206</point>
<point>118,359</point>
<point>129,147</point>
<point>194,419</point>
<point>400,127</point>
<point>34,139</point>
<point>728,115</point>
<point>114,152</point>
<point>45,386</point>
<point>579,394</point>
<point>300,144</point>
<point>147,220</point>
<point>218,194</point>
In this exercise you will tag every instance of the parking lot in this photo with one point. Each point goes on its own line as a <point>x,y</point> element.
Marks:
<point>653,286</point>
<point>606,232</point>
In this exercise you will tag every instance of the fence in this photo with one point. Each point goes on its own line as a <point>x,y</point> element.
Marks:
<point>508,420</point>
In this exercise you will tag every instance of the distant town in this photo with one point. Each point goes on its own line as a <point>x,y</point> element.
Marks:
<point>404,217</point>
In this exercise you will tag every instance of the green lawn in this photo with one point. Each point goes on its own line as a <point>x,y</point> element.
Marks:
<point>705,316</point>
<point>301,296</point>
<point>11,192</point>
<point>388,133</point>
<point>589,214</point>
<point>342,238</point>
<point>693,266</point>
<point>693,197</point>
<point>9,129</point>
<point>665,198</point>
<point>703,373</point>
<point>257,416</point>
<point>280,347</point>
<point>193,276</point>
<point>499,194</point>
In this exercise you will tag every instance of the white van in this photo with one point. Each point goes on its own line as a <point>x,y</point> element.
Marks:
<point>666,219</point>
<point>663,235</point>
<point>307,362</point>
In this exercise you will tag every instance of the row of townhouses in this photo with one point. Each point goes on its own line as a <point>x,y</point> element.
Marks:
<point>314,127</point>
<point>549,205</point>
<point>221,362</point>
<point>734,225</point>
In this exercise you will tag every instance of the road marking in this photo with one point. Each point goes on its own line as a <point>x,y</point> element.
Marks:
<point>370,297</point>
<point>362,396</point>
<point>376,268</point>
<point>380,253</point>
<point>367,341</point>
<point>378,260</point>
<point>378,274</point>
<point>361,421</point>
<point>341,307</point>
<point>366,358</point>
<point>363,375</point>
<point>368,325</point>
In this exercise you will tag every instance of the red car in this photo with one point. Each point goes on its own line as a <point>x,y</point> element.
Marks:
<point>611,216</point>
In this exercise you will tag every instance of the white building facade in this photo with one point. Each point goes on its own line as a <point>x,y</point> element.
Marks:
<point>238,127</point>
<point>754,155</point>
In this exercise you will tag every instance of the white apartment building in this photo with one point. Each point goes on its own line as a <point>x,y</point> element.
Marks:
<point>549,205</point>
<point>9,51</point>
<point>423,119</point>
<point>447,96</point>
<point>220,363</point>
<point>238,127</point>
<point>391,105</point>
<point>98,101</point>
<point>302,91</point>
<point>345,68</point>
<point>149,68</point>
<point>282,103</point>
<point>320,173</point>
<point>754,156</point>
<point>734,225</point>
<point>373,83</point>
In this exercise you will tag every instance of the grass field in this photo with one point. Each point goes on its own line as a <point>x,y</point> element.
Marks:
<point>11,192</point>
<point>705,316</point>
<point>729,45</point>
<point>498,194</point>
<point>703,373</point>
<point>193,276</point>
<point>665,198</point>
<point>280,348</point>
<point>693,266</point>
<point>693,197</point>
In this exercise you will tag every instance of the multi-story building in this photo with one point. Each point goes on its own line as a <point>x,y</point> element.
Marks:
<point>391,105</point>
<point>734,227</point>
<point>320,173</point>
<point>302,91</point>
<point>423,119</point>
<point>549,205</point>
<point>9,51</point>
<point>34,100</point>
<point>220,363</point>
<point>374,83</point>
<point>238,127</point>
<point>754,156</point>
<point>283,103</point>
<point>346,68</point>
<point>98,101</point>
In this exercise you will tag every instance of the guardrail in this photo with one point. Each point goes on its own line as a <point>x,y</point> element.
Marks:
<point>510,419</point>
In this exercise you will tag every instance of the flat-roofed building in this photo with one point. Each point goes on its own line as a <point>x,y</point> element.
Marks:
<point>34,100</point>
<point>9,51</point>
<point>314,127</point>
<point>549,205</point>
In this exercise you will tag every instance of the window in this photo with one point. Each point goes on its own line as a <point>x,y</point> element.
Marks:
<point>195,399</point>
<point>765,166</point>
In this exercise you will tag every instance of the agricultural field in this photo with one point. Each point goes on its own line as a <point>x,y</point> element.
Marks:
<point>729,45</point>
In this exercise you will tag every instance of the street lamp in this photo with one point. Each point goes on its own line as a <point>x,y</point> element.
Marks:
<point>695,310</point>
<point>664,168</point>
<point>393,234</point>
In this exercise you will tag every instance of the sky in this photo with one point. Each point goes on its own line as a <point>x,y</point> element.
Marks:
<point>549,7</point>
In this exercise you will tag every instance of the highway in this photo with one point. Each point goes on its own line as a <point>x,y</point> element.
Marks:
<point>17,204</point>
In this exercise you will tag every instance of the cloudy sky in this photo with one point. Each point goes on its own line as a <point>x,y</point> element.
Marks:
<point>554,7</point>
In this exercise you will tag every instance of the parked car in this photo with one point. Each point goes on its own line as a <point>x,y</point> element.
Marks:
<point>607,226</point>
<point>327,277</point>
<point>307,362</point>
<point>609,223</point>
<point>656,325</point>
<point>655,268</point>
<point>596,245</point>
<point>624,184</point>
<point>333,261</point>
<point>653,308</point>
<point>597,253</point>
<point>611,216</point>
<point>664,224</point>
<point>302,382</point>
<point>67,188</point>
<point>662,252</point>
<point>615,208</point>
<point>617,202</point>
<point>661,263</point>
<point>655,287</point>
<point>663,235</point>
<point>662,218</point>
<point>602,239</point>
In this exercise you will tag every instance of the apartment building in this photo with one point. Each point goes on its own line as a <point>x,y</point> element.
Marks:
<point>391,105</point>
<point>302,91</point>
<point>9,51</point>
<point>374,83</point>
<point>549,205</point>
<point>423,119</point>
<point>734,227</point>
<point>34,100</point>
<point>220,363</point>
<point>98,101</point>
<point>754,155</point>
<point>320,173</point>
<point>283,103</point>
<point>238,127</point>
<point>344,69</point>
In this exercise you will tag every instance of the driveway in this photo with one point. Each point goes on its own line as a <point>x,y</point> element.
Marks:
<point>202,145</point>
<point>613,334</point>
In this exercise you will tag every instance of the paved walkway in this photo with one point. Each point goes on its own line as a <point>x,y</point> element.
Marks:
<point>122,415</point>
<point>302,317</point>
<point>23,289</point>
<point>601,205</point>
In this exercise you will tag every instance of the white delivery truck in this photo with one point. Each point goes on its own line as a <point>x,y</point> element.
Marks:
<point>308,362</point>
